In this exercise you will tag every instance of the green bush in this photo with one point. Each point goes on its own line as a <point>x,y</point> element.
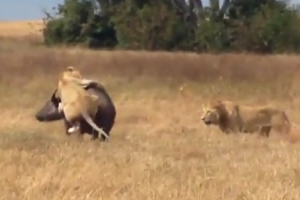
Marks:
<point>264,26</point>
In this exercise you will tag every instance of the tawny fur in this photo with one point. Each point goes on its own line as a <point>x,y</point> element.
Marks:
<point>232,117</point>
<point>76,102</point>
<point>71,75</point>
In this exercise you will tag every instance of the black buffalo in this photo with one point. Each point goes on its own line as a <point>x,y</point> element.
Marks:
<point>105,116</point>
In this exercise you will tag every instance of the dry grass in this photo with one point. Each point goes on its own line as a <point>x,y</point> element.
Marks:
<point>20,31</point>
<point>159,148</point>
<point>21,28</point>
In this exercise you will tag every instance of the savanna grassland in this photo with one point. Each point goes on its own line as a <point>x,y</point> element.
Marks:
<point>159,148</point>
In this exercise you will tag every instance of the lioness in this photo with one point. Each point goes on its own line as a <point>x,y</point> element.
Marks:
<point>232,117</point>
<point>76,102</point>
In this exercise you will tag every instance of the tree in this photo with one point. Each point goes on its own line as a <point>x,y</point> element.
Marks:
<point>229,25</point>
<point>79,22</point>
<point>148,25</point>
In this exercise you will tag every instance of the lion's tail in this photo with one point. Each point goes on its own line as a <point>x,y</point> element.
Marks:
<point>90,122</point>
<point>288,121</point>
<point>296,125</point>
<point>286,117</point>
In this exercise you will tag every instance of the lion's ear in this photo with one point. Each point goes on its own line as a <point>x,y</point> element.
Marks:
<point>203,108</point>
<point>219,102</point>
<point>220,108</point>
<point>70,68</point>
<point>216,104</point>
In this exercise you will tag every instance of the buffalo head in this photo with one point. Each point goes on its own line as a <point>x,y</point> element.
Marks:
<point>49,112</point>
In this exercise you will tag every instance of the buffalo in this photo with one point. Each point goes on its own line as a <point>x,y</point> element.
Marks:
<point>105,116</point>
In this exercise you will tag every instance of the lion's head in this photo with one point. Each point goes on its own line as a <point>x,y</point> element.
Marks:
<point>72,73</point>
<point>215,114</point>
<point>210,116</point>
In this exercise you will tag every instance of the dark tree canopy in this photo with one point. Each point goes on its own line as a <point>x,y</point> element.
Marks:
<point>264,26</point>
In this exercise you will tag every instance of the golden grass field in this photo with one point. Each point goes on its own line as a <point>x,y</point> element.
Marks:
<point>159,148</point>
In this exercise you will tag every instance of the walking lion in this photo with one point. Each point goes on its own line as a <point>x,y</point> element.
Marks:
<point>231,117</point>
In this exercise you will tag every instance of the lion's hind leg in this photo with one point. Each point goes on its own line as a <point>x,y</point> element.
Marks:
<point>72,118</point>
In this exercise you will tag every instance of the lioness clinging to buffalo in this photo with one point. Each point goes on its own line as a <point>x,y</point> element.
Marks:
<point>104,118</point>
<point>232,117</point>
<point>76,103</point>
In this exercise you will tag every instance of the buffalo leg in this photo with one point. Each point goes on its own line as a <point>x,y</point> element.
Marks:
<point>67,126</point>
<point>82,130</point>
<point>95,134</point>
<point>80,133</point>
